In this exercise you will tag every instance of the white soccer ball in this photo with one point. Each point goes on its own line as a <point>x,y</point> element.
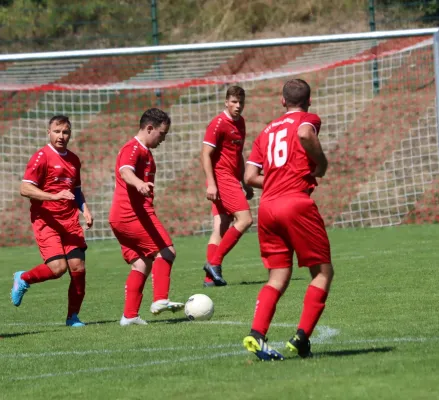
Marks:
<point>199,307</point>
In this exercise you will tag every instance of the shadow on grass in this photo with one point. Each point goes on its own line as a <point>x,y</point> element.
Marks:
<point>18,334</point>
<point>109,321</point>
<point>260,282</point>
<point>353,352</point>
<point>168,321</point>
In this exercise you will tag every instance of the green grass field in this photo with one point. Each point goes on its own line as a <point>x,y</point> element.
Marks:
<point>377,339</point>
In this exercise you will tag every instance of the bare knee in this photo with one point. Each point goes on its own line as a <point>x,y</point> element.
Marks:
<point>76,265</point>
<point>244,220</point>
<point>280,278</point>
<point>58,267</point>
<point>322,276</point>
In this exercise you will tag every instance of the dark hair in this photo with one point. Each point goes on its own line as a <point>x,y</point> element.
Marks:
<point>235,91</point>
<point>296,93</point>
<point>60,119</point>
<point>155,117</point>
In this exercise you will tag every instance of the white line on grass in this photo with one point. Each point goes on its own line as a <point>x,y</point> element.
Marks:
<point>129,366</point>
<point>200,358</point>
<point>323,334</point>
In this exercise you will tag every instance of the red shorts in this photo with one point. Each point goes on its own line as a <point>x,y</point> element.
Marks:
<point>57,237</point>
<point>231,198</point>
<point>141,238</point>
<point>292,224</point>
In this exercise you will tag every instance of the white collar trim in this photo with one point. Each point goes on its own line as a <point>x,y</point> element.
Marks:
<point>56,151</point>
<point>135,137</point>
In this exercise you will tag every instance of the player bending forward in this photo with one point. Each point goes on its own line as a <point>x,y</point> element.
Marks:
<point>52,181</point>
<point>223,165</point>
<point>145,243</point>
<point>289,152</point>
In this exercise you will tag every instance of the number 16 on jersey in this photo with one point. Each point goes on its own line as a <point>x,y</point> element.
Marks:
<point>279,153</point>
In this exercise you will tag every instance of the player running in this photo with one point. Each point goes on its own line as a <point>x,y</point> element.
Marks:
<point>289,152</point>
<point>223,165</point>
<point>145,243</point>
<point>52,182</point>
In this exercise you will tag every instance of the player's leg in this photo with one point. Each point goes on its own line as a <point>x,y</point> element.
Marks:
<point>234,203</point>
<point>134,285</point>
<point>277,258</point>
<point>54,266</point>
<point>76,293</point>
<point>313,305</point>
<point>243,221</point>
<point>133,243</point>
<point>313,251</point>
<point>161,282</point>
<point>266,302</point>
<point>221,223</point>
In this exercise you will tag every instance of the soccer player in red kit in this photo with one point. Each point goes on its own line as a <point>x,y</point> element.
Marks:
<point>289,153</point>
<point>145,243</point>
<point>223,165</point>
<point>52,181</point>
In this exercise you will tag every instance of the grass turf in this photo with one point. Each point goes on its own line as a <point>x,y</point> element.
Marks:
<point>381,313</point>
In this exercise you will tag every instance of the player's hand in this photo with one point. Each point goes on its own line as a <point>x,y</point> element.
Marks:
<point>145,188</point>
<point>249,192</point>
<point>88,218</point>
<point>64,195</point>
<point>212,193</point>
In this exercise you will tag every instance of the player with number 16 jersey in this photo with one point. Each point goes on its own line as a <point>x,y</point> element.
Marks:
<point>289,153</point>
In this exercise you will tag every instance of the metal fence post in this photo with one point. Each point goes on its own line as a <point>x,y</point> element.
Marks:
<point>155,42</point>
<point>375,75</point>
<point>436,77</point>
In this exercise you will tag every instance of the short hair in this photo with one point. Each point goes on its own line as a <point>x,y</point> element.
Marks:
<point>296,93</point>
<point>235,91</point>
<point>155,117</point>
<point>60,119</point>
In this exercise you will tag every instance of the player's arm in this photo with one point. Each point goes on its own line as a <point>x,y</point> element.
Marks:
<point>311,143</point>
<point>83,207</point>
<point>252,175</point>
<point>207,152</point>
<point>31,191</point>
<point>249,193</point>
<point>130,178</point>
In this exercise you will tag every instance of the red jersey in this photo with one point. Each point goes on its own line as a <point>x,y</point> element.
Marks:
<point>52,172</point>
<point>227,136</point>
<point>126,199</point>
<point>278,151</point>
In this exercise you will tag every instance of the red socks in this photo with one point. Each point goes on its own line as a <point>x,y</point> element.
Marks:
<point>133,293</point>
<point>265,309</point>
<point>76,292</point>
<point>161,278</point>
<point>38,274</point>
<point>211,249</point>
<point>228,242</point>
<point>313,306</point>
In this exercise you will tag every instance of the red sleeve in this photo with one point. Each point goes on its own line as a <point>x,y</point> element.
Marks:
<point>36,169</point>
<point>213,133</point>
<point>78,175</point>
<point>256,156</point>
<point>313,120</point>
<point>128,157</point>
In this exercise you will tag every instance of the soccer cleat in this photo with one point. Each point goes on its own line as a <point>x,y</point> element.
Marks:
<point>262,350</point>
<point>132,321</point>
<point>215,273</point>
<point>19,288</point>
<point>74,321</point>
<point>300,345</point>
<point>165,305</point>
